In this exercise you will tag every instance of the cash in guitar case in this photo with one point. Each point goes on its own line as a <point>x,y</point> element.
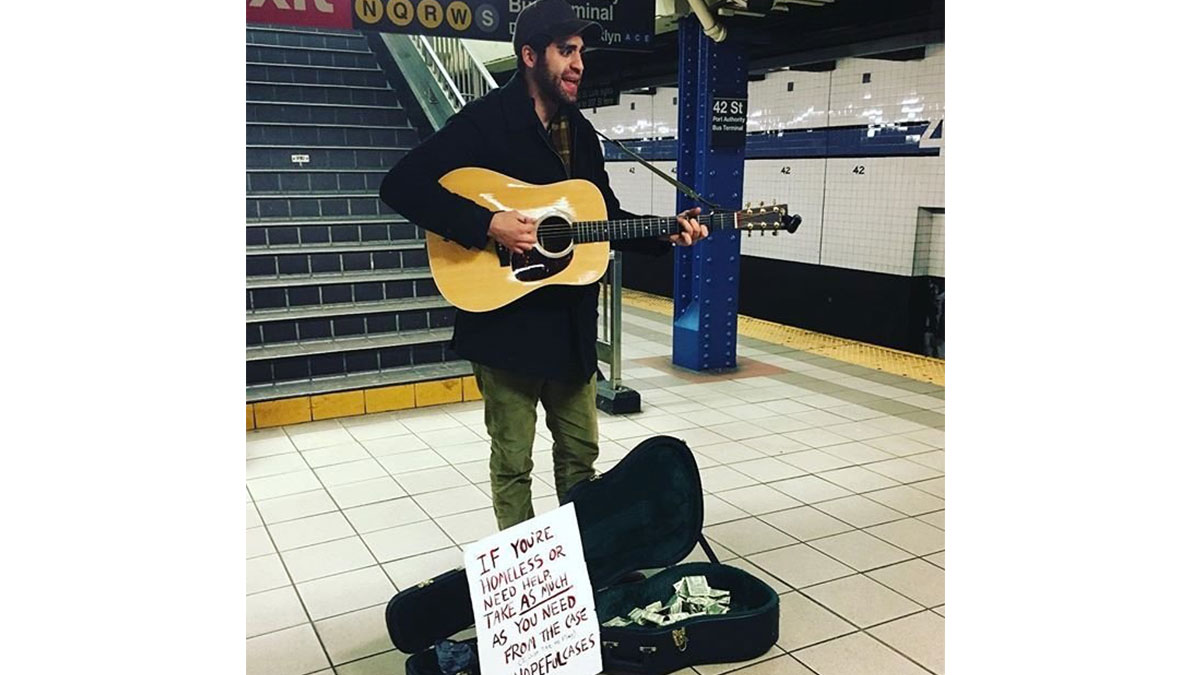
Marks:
<point>645,513</point>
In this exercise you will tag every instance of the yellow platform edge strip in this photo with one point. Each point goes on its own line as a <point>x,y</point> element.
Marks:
<point>300,409</point>
<point>883,359</point>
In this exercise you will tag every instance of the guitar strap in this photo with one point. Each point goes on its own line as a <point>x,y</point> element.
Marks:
<point>662,174</point>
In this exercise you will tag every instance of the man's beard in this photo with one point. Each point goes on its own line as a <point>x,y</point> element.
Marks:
<point>550,86</point>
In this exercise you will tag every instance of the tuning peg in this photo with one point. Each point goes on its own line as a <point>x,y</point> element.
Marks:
<point>747,205</point>
<point>774,233</point>
<point>762,203</point>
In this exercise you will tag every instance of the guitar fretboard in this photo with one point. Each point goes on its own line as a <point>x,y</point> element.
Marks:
<point>640,228</point>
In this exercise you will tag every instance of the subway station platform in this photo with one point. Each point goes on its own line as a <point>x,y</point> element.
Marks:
<point>823,476</point>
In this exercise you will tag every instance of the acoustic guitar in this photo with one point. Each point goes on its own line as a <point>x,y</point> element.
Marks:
<point>572,237</point>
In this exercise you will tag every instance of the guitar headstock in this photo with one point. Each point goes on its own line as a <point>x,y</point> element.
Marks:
<point>765,219</point>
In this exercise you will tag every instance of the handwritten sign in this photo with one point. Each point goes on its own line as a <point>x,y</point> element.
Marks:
<point>532,598</point>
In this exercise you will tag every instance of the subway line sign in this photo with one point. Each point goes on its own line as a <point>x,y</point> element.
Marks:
<point>456,18</point>
<point>627,24</point>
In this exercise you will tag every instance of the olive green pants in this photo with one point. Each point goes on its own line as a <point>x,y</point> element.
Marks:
<point>510,413</point>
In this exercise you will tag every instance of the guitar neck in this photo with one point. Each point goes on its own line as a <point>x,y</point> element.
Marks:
<point>641,228</point>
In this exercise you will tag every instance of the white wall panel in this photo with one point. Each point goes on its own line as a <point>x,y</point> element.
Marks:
<point>662,193</point>
<point>800,184</point>
<point>628,181</point>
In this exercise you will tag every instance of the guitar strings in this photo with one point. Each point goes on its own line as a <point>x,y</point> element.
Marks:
<point>596,226</point>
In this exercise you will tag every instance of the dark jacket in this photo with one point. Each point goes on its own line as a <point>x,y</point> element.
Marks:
<point>550,332</point>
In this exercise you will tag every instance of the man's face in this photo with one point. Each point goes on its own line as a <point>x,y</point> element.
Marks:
<point>560,69</point>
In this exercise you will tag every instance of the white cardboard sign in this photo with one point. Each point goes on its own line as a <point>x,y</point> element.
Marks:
<point>532,599</point>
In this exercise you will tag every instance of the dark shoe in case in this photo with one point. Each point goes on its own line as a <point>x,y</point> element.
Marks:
<point>644,513</point>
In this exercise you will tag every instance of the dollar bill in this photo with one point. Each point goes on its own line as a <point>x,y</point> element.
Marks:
<point>657,619</point>
<point>696,586</point>
<point>693,597</point>
<point>675,605</point>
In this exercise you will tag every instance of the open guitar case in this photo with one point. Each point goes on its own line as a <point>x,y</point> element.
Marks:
<point>644,513</point>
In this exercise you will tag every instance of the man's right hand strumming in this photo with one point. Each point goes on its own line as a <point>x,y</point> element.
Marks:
<point>513,231</point>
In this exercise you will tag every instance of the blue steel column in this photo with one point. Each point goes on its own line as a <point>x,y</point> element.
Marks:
<point>706,275</point>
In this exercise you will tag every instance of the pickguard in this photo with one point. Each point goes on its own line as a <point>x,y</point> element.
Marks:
<point>532,266</point>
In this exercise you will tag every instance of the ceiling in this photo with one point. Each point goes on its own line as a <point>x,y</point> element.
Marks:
<point>810,35</point>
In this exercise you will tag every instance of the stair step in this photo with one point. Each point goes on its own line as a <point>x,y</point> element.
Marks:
<point>317,113</point>
<point>317,238</point>
<point>305,104</point>
<point>284,92</point>
<point>347,309</point>
<point>350,58</point>
<point>298,181</point>
<point>336,247</point>
<point>359,194</point>
<point>315,125</point>
<point>329,385</point>
<point>289,281</point>
<point>275,265</point>
<point>309,205</point>
<point>337,290</point>
<point>297,38</point>
<point>295,147</point>
<point>310,49</point>
<point>348,344</point>
<point>348,320</point>
<point>316,85</point>
<point>303,222</point>
<point>285,74</point>
<point>269,64</point>
<point>322,157</point>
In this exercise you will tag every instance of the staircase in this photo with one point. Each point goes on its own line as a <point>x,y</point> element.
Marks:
<point>339,296</point>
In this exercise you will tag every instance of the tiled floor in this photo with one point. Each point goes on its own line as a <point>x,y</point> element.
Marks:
<point>826,480</point>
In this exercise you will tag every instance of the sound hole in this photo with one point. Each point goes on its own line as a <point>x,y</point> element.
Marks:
<point>554,234</point>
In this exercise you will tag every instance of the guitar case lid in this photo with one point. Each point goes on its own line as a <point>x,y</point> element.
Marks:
<point>646,512</point>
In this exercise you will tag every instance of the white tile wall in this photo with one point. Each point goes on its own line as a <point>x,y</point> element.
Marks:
<point>802,189</point>
<point>865,221</point>
<point>662,193</point>
<point>899,91</point>
<point>773,107</point>
<point>630,181</point>
<point>638,116</point>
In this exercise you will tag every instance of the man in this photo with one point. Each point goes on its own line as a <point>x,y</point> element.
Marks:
<point>543,346</point>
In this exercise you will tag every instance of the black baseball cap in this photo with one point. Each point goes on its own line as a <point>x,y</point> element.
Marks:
<point>551,19</point>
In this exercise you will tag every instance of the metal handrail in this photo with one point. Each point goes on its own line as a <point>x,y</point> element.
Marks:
<point>459,72</point>
<point>437,68</point>
<point>610,287</point>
